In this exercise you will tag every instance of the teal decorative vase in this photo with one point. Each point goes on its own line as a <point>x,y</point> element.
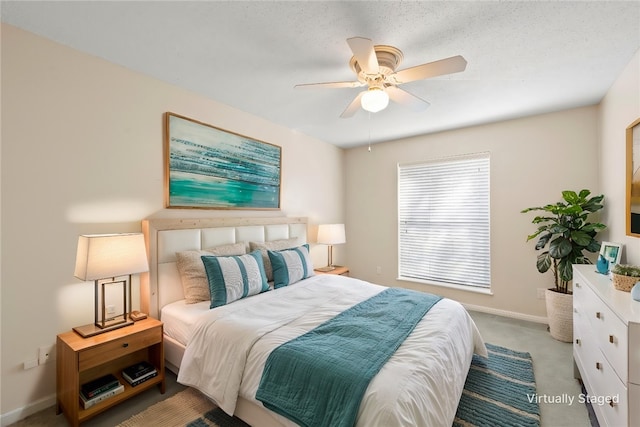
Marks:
<point>602,265</point>
<point>635,292</point>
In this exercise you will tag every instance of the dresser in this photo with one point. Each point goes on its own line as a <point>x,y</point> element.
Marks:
<point>606,347</point>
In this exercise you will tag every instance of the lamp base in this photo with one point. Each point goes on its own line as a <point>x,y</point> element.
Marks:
<point>92,329</point>
<point>327,268</point>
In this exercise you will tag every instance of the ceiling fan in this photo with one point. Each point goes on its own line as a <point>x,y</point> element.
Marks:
<point>375,67</point>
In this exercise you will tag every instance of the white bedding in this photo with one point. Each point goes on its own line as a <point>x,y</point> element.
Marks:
<point>179,317</point>
<point>420,385</point>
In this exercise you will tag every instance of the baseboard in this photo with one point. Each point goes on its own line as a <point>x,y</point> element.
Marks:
<point>505,313</point>
<point>22,413</point>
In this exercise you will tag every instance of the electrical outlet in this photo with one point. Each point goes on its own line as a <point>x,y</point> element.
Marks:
<point>46,354</point>
<point>541,293</point>
<point>111,309</point>
<point>379,270</point>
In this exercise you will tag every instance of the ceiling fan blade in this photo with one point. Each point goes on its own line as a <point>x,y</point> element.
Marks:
<point>329,85</point>
<point>455,64</point>
<point>403,97</point>
<point>353,107</point>
<point>365,54</point>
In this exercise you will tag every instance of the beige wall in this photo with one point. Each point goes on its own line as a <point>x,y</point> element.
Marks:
<point>532,161</point>
<point>528,168</point>
<point>619,109</point>
<point>82,153</point>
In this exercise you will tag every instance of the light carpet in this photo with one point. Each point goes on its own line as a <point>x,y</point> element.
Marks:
<point>499,391</point>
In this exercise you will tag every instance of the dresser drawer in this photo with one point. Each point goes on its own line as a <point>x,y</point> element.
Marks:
<point>589,303</point>
<point>584,353</point>
<point>608,395</point>
<point>99,354</point>
<point>611,337</point>
<point>609,332</point>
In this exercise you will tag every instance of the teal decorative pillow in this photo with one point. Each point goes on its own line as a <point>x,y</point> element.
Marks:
<point>272,245</point>
<point>290,266</point>
<point>234,277</point>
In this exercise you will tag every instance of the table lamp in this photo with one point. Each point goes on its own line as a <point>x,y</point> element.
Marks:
<point>105,258</point>
<point>330,234</point>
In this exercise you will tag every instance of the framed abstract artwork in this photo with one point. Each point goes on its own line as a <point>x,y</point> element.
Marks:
<point>211,168</point>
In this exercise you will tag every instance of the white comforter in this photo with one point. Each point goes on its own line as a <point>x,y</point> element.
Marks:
<point>420,385</point>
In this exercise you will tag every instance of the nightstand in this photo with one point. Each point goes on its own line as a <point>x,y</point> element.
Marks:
<point>80,360</point>
<point>339,270</point>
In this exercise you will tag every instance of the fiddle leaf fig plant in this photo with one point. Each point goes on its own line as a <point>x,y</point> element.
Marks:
<point>564,232</point>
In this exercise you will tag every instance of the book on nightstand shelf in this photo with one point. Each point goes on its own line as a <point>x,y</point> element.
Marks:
<point>141,379</point>
<point>88,402</point>
<point>139,373</point>
<point>99,385</point>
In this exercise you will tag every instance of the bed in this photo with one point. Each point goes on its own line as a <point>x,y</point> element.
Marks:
<point>420,384</point>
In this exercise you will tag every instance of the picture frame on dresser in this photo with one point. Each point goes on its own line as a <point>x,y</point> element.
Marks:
<point>211,168</point>
<point>612,252</point>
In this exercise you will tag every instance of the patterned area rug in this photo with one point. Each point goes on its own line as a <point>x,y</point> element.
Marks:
<point>188,408</point>
<point>499,391</point>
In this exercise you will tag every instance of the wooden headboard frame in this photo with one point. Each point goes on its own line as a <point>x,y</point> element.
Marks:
<point>233,230</point>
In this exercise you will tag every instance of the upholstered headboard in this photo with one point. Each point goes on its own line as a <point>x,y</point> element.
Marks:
<point>164,237</point>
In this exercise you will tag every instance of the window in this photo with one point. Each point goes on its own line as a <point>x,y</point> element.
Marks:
<point>443,227</point>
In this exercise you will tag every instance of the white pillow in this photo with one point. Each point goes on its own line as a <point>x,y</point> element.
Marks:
<point>195,285</point>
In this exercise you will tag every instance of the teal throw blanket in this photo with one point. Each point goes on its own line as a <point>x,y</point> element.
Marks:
<point>319,378</point>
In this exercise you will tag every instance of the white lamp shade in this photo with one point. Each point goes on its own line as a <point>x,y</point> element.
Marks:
<point>101,256</point>
<point>331,234</point>
<point>374,100</point>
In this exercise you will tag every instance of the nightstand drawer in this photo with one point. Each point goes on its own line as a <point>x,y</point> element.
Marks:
<point>99,354</point>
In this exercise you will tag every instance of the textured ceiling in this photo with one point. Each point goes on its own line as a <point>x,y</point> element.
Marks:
<point>523,57</point>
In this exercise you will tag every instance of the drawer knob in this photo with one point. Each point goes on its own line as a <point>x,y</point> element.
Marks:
<point>611,339</point>
<point>577,285</point>
<point>125,345</point>
<point>598,315</point>
<point>612,403</point>
<point>575,310</point>
<point>598,365</point>
<point>578,341</point>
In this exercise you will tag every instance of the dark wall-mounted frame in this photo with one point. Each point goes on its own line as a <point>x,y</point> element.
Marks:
<point>211,168</point>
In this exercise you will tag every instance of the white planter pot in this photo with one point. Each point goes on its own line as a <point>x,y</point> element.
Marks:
<point>560,315</point>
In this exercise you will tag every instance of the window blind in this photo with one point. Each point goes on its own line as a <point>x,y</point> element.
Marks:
<point>443,212</point>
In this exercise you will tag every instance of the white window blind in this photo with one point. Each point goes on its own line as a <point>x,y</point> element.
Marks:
<point>443,230</point>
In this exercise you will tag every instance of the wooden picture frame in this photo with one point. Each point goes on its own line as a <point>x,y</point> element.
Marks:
<point>210,168</point>
<point>632,211</point>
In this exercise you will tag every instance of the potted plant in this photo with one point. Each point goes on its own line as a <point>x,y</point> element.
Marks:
<point>625,276</point>
<point>564,233</point>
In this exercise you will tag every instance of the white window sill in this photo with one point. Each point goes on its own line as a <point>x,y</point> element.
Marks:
<point>474,289</point>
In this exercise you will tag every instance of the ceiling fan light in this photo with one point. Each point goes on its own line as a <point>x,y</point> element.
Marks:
<point>375,99</point>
